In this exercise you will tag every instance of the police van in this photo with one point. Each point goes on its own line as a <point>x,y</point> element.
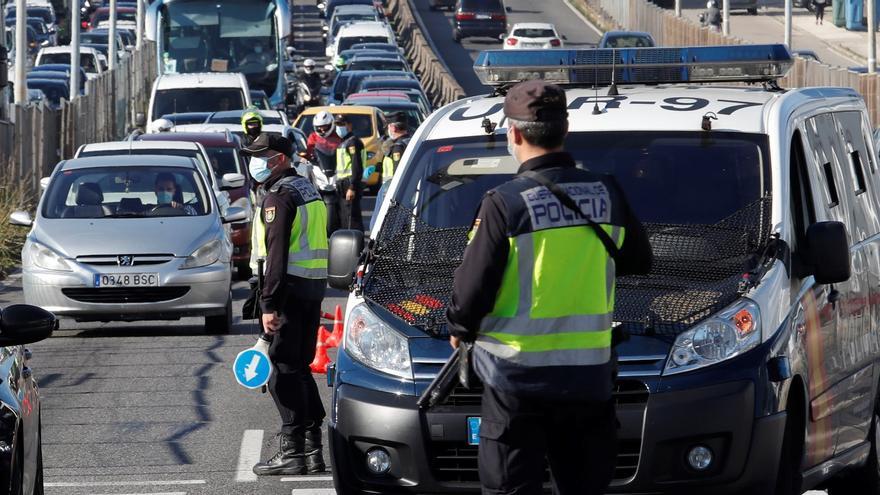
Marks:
<point>750,363</point>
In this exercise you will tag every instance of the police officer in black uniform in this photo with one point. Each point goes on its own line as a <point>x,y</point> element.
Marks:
<point>351,158</point>
<point>293,288</point>
<point>535,294</point>
<point>394,146</point>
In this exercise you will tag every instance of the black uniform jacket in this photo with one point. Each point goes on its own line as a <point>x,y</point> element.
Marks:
<point>478,278</point>
<point>278,213</point>
<point>353,146</point>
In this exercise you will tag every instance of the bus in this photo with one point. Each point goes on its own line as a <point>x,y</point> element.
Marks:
<point>246,36</point>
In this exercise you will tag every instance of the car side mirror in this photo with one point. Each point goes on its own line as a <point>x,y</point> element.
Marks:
<point>231,181</point>
<point>44,183</point>
<point>140,120</point>
<point>22,324</point>
<point>345,251</point>
<point>508,9</point>
<point>827,253</point>
<point>235,214</point>
<point>21,218</point>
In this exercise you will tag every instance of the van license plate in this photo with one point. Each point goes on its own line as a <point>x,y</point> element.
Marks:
<point>474,430</point>
<point>126,280</point>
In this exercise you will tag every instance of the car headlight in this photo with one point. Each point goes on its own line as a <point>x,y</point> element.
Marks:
<point>245,205</point>
<point>728,334</point>
<point>375,344</point>
<point>206,255</point>
<point>45,258</point>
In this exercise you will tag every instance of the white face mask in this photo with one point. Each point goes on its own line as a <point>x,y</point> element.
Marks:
<point>341,131</point>
<point>510,149</point>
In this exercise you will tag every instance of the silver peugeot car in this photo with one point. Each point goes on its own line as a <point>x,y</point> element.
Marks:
<point>126,238</point>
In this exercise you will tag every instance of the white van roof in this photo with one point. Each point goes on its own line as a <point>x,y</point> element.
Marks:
<point>366,28</point>
<point>202,80</point>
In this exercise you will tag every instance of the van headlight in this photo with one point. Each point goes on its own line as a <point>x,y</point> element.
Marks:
<point>728,334</point>
<point>47,259</point>
<point>206,255</point>
<point>375,344</point>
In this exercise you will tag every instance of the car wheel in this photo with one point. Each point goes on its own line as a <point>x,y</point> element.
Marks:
<point>220,324</point>
<point>866,479</point>
<point>244,271</point>
<point>753,11</point>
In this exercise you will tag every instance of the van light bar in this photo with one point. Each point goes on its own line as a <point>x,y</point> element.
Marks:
<point>735,63</point>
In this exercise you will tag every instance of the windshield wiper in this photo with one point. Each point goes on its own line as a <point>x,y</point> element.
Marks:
<point>124,214</point>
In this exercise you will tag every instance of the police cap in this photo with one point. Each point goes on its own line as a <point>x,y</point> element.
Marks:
<point>536,101</point>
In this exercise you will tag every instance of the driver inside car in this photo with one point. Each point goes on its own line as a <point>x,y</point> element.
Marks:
<point>168,194</point>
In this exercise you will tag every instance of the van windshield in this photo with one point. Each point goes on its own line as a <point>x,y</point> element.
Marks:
<point>671,178</point>
<point>198,100</point>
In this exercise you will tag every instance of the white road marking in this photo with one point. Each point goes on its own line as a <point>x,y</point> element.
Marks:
<point>143,493</point>
<point>249,454</point>
<point>313,491</point>
<point>88,484</point>
<point>582,17</point>
<point>306,479</point>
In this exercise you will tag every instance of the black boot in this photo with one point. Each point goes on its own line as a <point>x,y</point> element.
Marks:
<point>289,459</point>
<point>313,451</point>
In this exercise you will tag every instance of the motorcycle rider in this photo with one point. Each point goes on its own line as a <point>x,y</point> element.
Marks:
<point>252,124</point>
<point>321,150</point>
<point>313,82</point>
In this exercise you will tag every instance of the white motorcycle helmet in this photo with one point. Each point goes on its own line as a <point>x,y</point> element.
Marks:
<point>323,119</point>
<point>308,66</point>
<point>712,3</point>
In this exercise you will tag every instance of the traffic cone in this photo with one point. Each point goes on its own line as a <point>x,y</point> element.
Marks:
<point>335,338</point>
<point>319,364</point>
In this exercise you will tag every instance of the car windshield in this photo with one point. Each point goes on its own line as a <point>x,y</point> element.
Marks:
<point>347,42</point>
<point>86,60</point>
<point>190,153</point>
<point>55,91</point>
<point>482,5</point>
<point>236,119</point>
<point>678,178</point>
<point>198,100</point>
<point>224,160</point>
<point>39,25</point>
<point>534,33</point>
<point>40,12</point>
<point>121,16</point>
<point>628,41</point>
<point>94,38</point>
<point>117,192</point>
<point>376,64</point>
<point>362,124</point>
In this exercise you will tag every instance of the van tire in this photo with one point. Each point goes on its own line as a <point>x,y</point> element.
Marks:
<point>789,479</point>
<point>865,479</point>
<point>753,11</point>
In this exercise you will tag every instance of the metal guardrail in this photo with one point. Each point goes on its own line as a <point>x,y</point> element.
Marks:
<point>40,137</point>
<point>438,82</point>
<point>668,30</point>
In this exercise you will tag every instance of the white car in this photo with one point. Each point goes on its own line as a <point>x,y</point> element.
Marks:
<point>360,32</point>
<point>198,92</point>
<point>89,59</point>
<point>534,35</point>
<point>349,14</point>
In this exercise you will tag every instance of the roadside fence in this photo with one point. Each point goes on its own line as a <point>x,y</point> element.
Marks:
<point>668,30</point>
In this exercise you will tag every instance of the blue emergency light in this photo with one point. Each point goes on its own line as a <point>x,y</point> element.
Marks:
<point>605,66</point>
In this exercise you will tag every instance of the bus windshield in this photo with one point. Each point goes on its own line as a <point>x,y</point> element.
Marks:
<point>200,36</point>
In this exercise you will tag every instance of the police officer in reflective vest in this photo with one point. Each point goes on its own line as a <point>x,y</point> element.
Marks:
<point>394,146</point>
<point>535,293</point>
<point>294,220</point>
<point>351,158</point>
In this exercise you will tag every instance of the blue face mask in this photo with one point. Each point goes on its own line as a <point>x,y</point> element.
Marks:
<point>258,167</point>
<point>164,197</point>
<point>341,131</point>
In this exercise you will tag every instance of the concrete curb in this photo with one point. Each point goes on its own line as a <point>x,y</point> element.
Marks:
<point>841,51</point>
<point>418,17</point>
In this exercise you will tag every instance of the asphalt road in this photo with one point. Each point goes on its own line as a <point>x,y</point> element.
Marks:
<point>460,57</point>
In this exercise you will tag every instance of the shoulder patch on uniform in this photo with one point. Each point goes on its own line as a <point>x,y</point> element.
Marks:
<point>270,214</point>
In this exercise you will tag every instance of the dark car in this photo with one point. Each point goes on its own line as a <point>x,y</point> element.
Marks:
<point>479,18</point>
<point>376,63</point>
<point>54,90</point>
<point>224,151</point>
<point>39,25</point>
<point>391,106</point>
<point>21,459</point>
<point>123,14</point>
<point>330,5</point>
<point>626,39</point>
<point>441,4</point>
<point>65,68</point>
<point>416,96</point>
<point>388,47</point>
<point>97,38</point>
<point>388,83</point>
<point>347,82</point>
<point>56,76</point>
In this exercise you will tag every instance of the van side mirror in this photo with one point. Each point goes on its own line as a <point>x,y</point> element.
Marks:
<point>21,218</point>
<point>345,251</point>
<point>140,120</point>
<point>827,252</point>
<point>22,324</point>
<point>44,183</point>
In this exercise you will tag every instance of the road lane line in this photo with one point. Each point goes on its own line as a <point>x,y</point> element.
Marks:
<point>313,491</point>
<point>582,17</point>
<point>306,479</point>
<point>91,484</point>
<point>248,455</point>
<point>142,493</point>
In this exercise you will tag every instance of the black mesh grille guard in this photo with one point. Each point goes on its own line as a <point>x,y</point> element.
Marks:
<point>698,270</point>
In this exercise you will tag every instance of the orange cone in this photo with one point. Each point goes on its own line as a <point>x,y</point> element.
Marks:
<point>319,364</point>
<point>335,338</point>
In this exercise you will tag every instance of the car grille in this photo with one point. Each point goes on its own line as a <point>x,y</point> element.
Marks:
<point>137,260</point>
<point>118,295</point>
<point>457,462</point>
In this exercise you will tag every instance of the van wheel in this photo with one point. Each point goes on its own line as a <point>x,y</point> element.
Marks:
<point>866,479</point>
<point>753,11</point>
<point>790,479</point>
<point>220,324</point>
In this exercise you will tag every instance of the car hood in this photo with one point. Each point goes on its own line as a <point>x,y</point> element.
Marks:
<point>179,236</point>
